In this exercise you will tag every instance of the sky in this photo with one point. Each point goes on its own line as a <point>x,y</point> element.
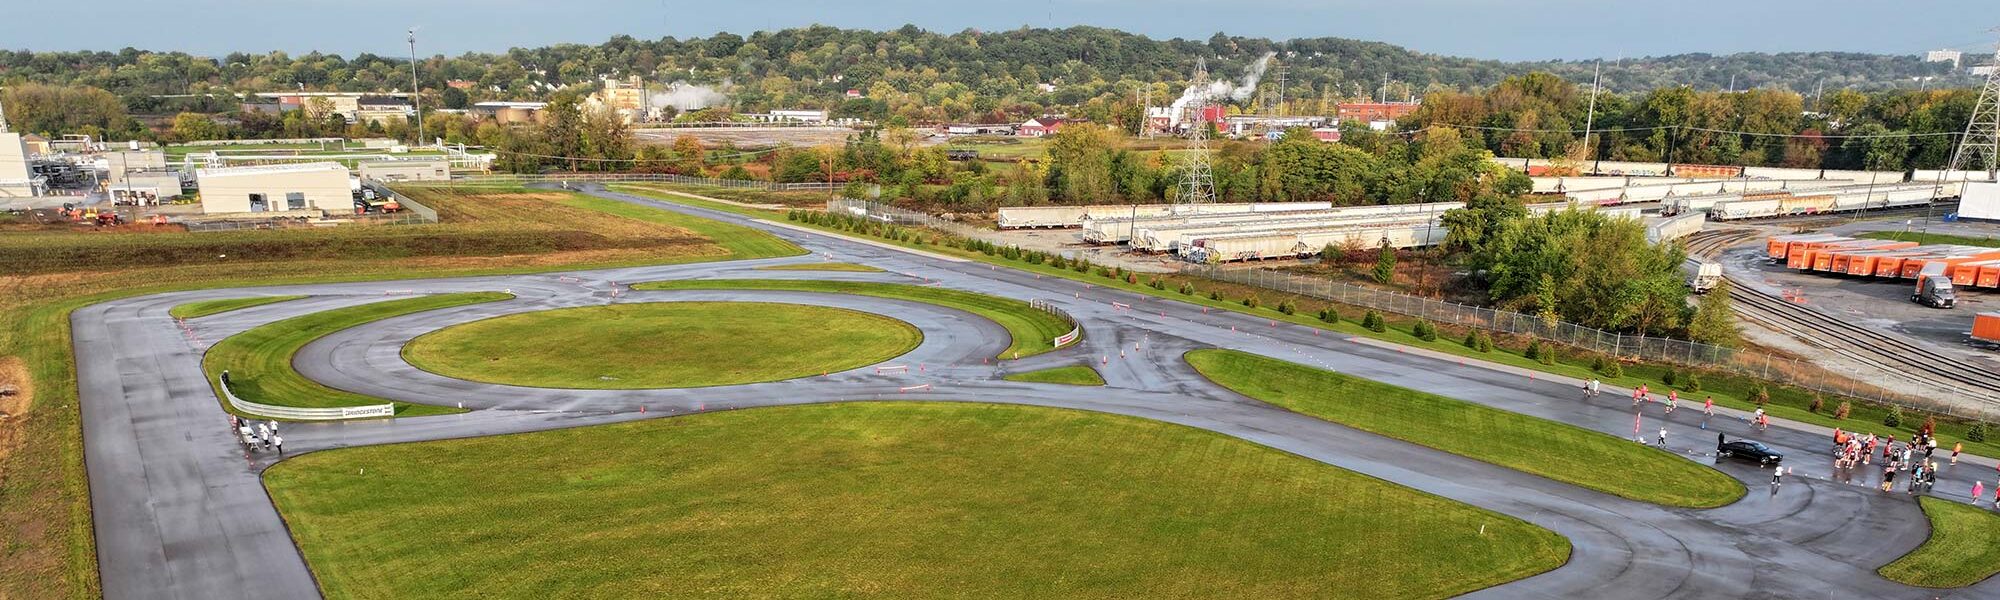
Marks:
<point>1494,29</point>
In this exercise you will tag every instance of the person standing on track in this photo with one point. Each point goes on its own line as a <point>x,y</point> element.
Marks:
<point>1978,487</point>
<point>1777,476</point>
<point>1663,436</point>
<point>279,443</point>
<point>1955,449</point>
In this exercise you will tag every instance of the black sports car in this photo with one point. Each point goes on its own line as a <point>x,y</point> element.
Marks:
<point>1749,450</point>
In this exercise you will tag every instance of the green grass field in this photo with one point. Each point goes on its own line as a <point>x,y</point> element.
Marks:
<point>822,266</point>
<point>882,500</point>
<point>203,308</point>
<point>743,243</point>
<point>1964,547</point>
<point>662,345</point>
<point>1070,375</point>
<point>1731,391</point>
<point>1558,451</point>
<point>1034,331</point>
<point>259,361</point>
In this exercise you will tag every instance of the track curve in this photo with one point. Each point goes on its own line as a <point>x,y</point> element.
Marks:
<point>181,514</point>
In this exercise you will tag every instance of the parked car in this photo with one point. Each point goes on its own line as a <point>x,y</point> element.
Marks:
<point>1749,450</point>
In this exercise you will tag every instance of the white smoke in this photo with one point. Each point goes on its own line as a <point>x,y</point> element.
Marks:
<point>684,96</point>
<point>1220,89</point>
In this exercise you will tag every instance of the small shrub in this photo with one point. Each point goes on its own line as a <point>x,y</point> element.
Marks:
<point>1187,289</point>
<point>1215,295</point>
<point>1534,350</point>
<point>1159,285</point>
<point>1424,331</point>
<point>1762,395</point>
<point>1373,321</point>
<point>1977,432</point>
<point>1691,383</point>
<point>1287,307</point>
<point>1118,271</point>
<point>1613,370</point>
<point>1103,272</point>
<point>1485,343</point>
<point>1670,376</point>
<point>1894,418</point>
<point>1597,364</point>
<point>1329,315</point>
<point>1132,278</point>
<point>1818,402</point>
<point>1251,301</point>
<point>1548,355</point>
<point>1472,339</point>
<point>1840,412</point>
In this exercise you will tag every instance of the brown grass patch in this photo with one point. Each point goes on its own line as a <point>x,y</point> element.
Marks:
<point>17,389</point>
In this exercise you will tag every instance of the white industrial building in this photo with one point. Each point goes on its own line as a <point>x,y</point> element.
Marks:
<point>407,170</point>
<point>16,181</point>
<point>1979,201</point>
<point>324,186</point>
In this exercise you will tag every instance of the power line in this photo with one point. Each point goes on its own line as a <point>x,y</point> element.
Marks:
<point>1690,128</point>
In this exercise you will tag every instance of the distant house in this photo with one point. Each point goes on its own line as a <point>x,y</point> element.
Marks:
<point>853,93</point>
<point>1040,126</point>
<point>1327,134</point>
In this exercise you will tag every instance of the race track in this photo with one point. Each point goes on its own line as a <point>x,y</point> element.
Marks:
<point>180,511</point>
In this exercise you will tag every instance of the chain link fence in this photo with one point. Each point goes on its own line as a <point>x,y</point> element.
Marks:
<point>1788,371</point>
<point>751,184</point>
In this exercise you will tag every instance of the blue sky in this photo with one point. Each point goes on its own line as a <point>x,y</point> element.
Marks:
<point>1501,29</point>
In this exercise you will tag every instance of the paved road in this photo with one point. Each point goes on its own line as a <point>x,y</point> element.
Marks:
<point>181,513</point>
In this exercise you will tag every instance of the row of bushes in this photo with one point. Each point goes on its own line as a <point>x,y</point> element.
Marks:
<point>1546,353</point>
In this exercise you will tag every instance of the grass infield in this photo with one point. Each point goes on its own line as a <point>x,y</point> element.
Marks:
<point>203,308</point>
<point>882,500</point>
<point>1034,331</point>
<point>1558,451</point>
<point>1070,375</point>
<point>259,361</point>
<point>662,345</point>
<point>1964,547</point>
<point>822,266</point>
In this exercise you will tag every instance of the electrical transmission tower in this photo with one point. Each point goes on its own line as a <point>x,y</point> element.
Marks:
<point>1197,179</point>
<point>1979,149</point>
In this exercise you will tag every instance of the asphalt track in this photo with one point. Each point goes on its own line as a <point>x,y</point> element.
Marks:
<point>180,511</point>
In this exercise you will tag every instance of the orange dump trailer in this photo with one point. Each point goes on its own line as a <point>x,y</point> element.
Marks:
<point>1966,274</point>
<point>1989,276</point>
<point>1913,266</point>
<point>1836,260</point>
<point>1864,263</point>
<point>1986,328</point>
<point>1779,246</point>
<point>1807,257</point>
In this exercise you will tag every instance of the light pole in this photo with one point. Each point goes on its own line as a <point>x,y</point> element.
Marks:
<point>416,93</point>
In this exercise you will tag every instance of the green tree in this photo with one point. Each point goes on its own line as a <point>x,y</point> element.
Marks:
<point>1080,163</point>
<point>190,127</point>
<point>1713,321</point>
<point>1385,264</point>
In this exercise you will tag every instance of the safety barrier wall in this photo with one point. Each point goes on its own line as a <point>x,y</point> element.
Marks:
<point>428,213</point>
<point>304,414</point>
<point>1075,329</point>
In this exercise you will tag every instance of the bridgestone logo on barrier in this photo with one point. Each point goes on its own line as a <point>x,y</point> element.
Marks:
<point>306,414</point>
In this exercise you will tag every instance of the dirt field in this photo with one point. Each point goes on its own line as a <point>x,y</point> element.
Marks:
<point>748,137</point>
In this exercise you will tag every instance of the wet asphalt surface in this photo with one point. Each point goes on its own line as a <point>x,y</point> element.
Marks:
<point>181,513</point>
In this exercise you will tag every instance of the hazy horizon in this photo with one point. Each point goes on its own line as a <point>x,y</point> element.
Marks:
<point>1486,29</point>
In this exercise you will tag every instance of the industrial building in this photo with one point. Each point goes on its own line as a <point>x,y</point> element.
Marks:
<point>406,170</point>
<point>510,112</point>
<point>625,96</point>
<point>382,110</point>
<point>15,179</point>
<point>322,186</point>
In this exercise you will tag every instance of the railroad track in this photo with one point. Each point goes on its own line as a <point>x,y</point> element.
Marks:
<point>1888,352</point>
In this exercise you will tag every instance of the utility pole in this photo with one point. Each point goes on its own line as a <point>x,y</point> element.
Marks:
<point>1590,117</point>
<point>416,92</point>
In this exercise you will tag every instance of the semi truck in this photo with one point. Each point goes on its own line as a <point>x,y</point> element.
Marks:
<point>1934,288</point>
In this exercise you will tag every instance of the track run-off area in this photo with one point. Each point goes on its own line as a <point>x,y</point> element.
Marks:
<point>182,512</point>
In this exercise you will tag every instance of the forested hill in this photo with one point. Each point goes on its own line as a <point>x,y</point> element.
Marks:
<point>814,65</point>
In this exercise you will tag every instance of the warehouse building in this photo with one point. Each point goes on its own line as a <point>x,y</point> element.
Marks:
<point>407,170</point>
<point>15,179</point>
<point>269,188</point>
